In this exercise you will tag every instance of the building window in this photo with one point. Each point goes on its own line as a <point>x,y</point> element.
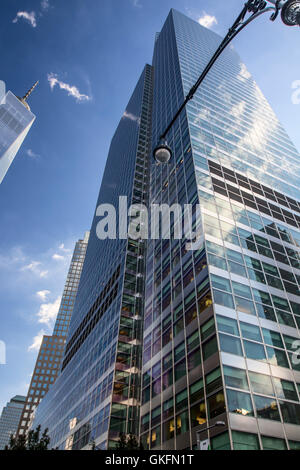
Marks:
<point>245,441</point>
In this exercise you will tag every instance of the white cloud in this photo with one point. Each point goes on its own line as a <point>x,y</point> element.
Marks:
<point>208,21</point>
<point>48,312</point>
<point>37,341</point>
<point>9,260</point>
<point>64,249</point>
<point>43,294</point>
<point>71,89</point>
<point>31,154</point>
<point>136,3</point>
<point>30,17</point>
<point>58,257</point>
<point>31,267</point>
<point>16,260</point>
<point>44,273</point>
<point>45,5</point>
<point>34,268</point>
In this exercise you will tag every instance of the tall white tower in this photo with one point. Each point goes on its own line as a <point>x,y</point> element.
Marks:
<point>16,120</point>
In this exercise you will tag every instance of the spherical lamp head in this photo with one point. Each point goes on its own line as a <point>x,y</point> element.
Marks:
<point>290,13</point>
<point>162,153</point>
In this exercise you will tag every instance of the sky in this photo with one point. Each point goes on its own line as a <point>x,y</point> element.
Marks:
<point>88,55</point>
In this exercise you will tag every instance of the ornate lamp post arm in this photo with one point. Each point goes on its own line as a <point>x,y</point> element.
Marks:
<point>290,14</point>
<point>256,8</point>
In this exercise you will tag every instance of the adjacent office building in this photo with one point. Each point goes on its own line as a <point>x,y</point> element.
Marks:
<point>10,418</point>
<point>16,120</point>
<point>49,359</point>
<point>97,395</point>
<point>221,321</point>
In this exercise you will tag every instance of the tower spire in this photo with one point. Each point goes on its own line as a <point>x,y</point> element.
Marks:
<point>26,96</point>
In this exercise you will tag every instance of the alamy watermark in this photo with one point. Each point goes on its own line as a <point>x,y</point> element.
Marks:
<point>140,222</point>
<point>2,353</point>
<point>296,93</point>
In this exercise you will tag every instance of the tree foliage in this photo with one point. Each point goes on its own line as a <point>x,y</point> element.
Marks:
<point>129,442</point>
<point>33,441</point>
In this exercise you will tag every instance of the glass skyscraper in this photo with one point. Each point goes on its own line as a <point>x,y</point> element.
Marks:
<point>97,395</point>
<point>9,419</point>
<point>16,120</point>
<point>220,322</point>
<point>50,356</point>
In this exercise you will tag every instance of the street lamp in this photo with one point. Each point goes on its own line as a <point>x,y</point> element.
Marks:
<point>290,14</point>
<point>162,152</point>
<point>216,425</point>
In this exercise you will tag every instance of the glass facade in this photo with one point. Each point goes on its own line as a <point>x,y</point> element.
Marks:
<point>221,322</point>
<point>50,356</point>
<point>97,395</point>
<point>64,315</point>
<point>15,123</point>
<point>10,418</point>
<point>165,340</point>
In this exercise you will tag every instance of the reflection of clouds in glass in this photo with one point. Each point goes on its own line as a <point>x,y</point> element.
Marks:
<point>238,110</point>
<point>244,74</point>
<point>131,117</point>
<point>257,157</point>
<point>256,135</point>
<point>238,128</point>
<point>204,114</point>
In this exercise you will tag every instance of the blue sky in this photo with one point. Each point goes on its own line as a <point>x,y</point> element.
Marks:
<point>88,55</point>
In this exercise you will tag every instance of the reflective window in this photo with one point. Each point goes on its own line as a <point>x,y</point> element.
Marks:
<point>266,408</point>
<point>240,403</point>
<point>261,383</point>
<point>236,378</point>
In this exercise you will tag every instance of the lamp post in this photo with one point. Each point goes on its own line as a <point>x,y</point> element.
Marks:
<point>290,14</point>
<point>216,425</point>
<point>290,11</point>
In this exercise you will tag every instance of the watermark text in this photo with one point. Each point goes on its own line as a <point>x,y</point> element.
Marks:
<point>155,222</point>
